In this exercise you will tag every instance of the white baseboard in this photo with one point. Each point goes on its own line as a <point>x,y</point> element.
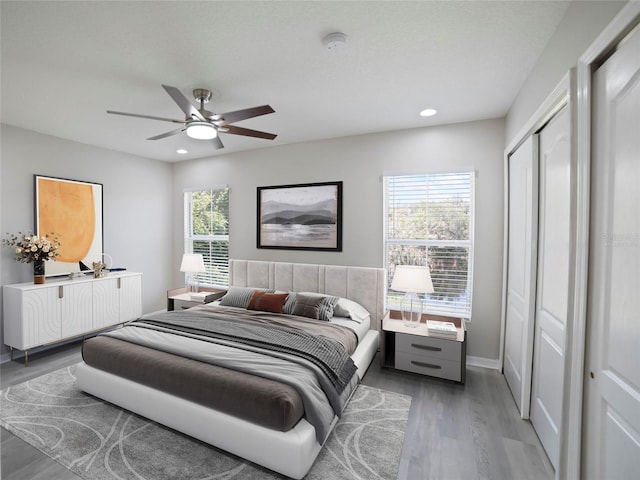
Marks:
<point>19,354</point>
<point>5,357</point>
<point>490,363</point>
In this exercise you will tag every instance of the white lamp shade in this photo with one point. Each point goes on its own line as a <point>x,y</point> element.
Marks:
<point>409,278</point>
<point>192,262</point>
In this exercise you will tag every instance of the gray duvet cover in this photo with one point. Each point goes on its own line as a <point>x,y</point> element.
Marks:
<point>212,335</point>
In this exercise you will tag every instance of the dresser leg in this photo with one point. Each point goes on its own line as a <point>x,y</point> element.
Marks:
<point>11,353</point>
<point>26,358</point>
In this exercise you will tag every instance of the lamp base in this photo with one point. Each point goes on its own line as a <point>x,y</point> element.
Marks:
<point>411,307</point>
<point>193,283</point>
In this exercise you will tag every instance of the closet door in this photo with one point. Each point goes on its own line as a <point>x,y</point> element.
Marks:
<point>523,220</point>
<point>552,297</point>
<point>612,385</point>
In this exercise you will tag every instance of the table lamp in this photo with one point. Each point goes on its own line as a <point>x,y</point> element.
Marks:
<point>411,280</point>
<point>192,263</point>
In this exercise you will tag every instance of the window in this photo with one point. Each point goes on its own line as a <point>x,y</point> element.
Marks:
<point>429,221</point>
<point>206,231</point>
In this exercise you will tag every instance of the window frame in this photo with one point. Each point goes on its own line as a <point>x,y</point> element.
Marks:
<point>451,308</point>
<point>208,278</point>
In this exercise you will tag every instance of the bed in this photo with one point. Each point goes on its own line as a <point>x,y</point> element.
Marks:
<point>292,450</point>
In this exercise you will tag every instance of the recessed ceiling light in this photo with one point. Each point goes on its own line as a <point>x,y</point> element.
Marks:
<point>182,151</point>
<point>428,112</point>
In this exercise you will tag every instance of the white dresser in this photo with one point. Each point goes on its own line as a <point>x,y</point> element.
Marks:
<point>36,315</point>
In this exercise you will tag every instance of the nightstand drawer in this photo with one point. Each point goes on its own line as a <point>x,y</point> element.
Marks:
<point>420,346</point>
<point>429,366</point>
<point>184,304</point>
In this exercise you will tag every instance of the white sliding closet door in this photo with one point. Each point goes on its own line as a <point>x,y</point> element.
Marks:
<point>552,297</point>
<point>612,406</point>
<point>523,220</point>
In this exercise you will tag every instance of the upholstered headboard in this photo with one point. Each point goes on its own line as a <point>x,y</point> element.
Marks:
<point>360,284</point>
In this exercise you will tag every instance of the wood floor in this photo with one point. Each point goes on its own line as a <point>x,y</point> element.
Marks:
<point>454,432</point>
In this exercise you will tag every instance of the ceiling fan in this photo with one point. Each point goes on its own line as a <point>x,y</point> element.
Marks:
<point>202,124</point>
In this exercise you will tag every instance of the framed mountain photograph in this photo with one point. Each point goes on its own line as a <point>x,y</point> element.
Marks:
<point>305,216</point>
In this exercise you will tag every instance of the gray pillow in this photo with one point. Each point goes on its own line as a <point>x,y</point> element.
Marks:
<point>314,305</point>
<point>239,296</point>
<point>307,306</point>
<point>288,305</point>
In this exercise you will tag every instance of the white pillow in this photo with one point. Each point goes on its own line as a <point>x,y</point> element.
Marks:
<point>350,309</point>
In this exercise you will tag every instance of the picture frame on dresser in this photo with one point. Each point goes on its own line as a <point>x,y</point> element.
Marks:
<point>300,217</point>
<point>73,210</point>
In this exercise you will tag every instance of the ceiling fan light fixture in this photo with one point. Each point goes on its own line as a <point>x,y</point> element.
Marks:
<point>201,131</point>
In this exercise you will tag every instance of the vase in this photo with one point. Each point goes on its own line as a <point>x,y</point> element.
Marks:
<point>38,271</point>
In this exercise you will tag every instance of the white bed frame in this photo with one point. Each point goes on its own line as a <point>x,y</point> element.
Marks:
<point>290,453</point>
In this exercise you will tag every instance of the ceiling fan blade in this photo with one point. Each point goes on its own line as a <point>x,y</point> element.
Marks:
<point>217,143</point>
<point>167,134</point>
<point>236,116</point>
<point>145,116</point>
<point>232,129</point>
<point>185,105</point>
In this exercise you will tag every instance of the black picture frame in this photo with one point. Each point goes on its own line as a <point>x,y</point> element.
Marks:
<point>73,210</point>
<point>306,216</point>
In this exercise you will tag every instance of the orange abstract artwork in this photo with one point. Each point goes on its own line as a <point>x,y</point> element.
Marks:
<point>67,208</point>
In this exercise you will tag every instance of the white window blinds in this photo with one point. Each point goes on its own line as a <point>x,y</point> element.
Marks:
<point>206,231</point>
<point>429,221</point>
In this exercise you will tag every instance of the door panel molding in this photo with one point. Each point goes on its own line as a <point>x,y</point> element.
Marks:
<point>563,95</point>
<point>554,252</point>
<point>521,281</point>
<point>623,23</point>
<point>613,303</point>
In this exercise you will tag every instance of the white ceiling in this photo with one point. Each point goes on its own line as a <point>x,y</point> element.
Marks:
<point>65,63</point>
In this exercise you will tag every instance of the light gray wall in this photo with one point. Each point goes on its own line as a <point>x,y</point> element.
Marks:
<point>137,204</point>
<point>360,163</point>
<point>582,23</point>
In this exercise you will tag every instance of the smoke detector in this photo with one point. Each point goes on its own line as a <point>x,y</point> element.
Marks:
<point>335,42</point>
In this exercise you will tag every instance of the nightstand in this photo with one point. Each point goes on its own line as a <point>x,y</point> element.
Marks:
<point>412,349</point>
<point>180,299</point>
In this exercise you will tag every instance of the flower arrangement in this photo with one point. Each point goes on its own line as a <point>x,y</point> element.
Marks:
<point>30,248</point>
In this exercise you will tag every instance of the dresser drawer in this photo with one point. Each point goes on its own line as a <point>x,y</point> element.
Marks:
<point>431,347</point>
<point>184,304</point>
<point>433,367</point>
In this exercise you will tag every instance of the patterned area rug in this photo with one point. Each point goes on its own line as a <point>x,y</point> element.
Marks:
<point>97,440</point>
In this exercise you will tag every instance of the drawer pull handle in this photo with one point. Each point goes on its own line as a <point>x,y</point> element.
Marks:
<point>426,347</point>
<point>427,365</point>
<point>184,308</point>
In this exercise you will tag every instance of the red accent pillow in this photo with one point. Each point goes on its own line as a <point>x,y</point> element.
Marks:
<point>267,302</point>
